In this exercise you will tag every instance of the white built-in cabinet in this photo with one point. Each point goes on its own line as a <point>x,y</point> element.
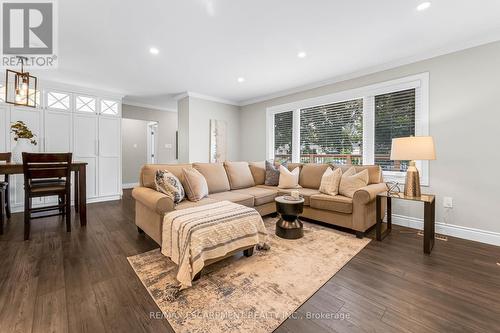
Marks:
<point>85,124</point>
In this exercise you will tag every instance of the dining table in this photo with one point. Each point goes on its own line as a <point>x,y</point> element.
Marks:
<point>80,184</point>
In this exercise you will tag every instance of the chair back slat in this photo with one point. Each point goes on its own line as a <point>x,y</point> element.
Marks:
<point>5,157</point>
<point>46,166</point>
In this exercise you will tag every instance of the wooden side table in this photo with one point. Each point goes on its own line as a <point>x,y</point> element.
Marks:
<point>429,201</point>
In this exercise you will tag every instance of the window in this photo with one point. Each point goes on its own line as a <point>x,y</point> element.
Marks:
<point>59,101</point>
<point>394,118</point>
<point>353,127</point>
<point>109,107</point>
<point>283,128</point>
<point>2,93</point>
<point>332,133</point>
<point>85,104</point>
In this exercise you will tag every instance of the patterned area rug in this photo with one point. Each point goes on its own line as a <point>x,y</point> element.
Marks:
<point>254,294</point>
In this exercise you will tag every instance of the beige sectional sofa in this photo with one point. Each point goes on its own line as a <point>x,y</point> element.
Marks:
<point>232,181</point>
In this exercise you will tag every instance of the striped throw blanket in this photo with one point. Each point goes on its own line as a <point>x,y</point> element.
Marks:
<point>194,235</point>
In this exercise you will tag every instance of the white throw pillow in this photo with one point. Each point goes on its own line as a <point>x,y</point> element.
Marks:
<point>289,179</point>
<point>330,181</point>
<point>352,181</point>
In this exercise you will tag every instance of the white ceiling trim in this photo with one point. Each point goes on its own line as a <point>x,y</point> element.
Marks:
<point>147,106</point>
<point>481,40</point>
<point>205,97</point>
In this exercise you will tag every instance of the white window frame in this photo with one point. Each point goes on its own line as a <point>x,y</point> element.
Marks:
<point>419,82</point>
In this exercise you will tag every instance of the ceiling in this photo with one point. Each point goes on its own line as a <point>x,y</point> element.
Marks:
<point>205,45</point>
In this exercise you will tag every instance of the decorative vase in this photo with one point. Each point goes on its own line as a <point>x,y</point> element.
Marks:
<point>22,145</point>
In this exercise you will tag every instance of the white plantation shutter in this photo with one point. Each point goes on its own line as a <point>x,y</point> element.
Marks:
<point>283,128</point>
<point>332,133</point>
<point>394,118</point>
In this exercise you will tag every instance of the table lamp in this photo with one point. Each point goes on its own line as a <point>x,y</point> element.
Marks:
<point>413,148</point>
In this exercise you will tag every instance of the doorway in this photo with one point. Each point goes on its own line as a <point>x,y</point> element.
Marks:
<point>152,135</point>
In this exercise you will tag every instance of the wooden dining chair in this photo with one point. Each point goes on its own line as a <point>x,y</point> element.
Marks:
<point>47,175</point>
<point>6,157</point>
<point>2,205</point>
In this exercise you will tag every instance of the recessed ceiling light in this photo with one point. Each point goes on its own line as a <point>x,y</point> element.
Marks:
<point>154,50</point>
<point>241,79</point>
<point>302,54</point>
<point>423,6</point>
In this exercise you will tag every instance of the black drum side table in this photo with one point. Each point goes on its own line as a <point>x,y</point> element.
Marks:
<point>289,226</point>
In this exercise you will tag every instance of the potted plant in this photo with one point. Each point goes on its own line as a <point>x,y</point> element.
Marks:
<point>25,140</point>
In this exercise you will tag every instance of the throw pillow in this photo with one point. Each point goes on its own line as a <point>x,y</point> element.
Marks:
<point>168,184</point>
<point>352,181</point>
<point>289,179</point>
<point>196,184</point>
<point>330,181</point>
<point>273,173</point>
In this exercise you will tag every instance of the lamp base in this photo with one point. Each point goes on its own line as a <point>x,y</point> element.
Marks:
<point>412,182</point>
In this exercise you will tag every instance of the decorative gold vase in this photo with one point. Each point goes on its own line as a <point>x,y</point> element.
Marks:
<point>412,182</point>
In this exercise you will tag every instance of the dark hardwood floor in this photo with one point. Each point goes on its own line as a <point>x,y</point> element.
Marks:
<point>81,282</point>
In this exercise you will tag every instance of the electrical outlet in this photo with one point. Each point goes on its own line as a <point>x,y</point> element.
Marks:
<point>448,202</point>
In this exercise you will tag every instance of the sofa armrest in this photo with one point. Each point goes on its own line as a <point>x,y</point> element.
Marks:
<point>368,193</point>
<point>154,200</point>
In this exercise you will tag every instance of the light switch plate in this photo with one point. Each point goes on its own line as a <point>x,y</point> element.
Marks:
<point>448,202</point>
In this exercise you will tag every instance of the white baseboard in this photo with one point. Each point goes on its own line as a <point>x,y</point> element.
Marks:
<point>473,234</point>
<point>20,208</point>
<point>129,185</point>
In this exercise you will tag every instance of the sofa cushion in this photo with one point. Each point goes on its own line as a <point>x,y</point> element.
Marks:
<point>258,170</point>
<point>196,184</point>
<point>310,175</point>
<point>304,192</point>
<point>352,181</point>
<point>239,175</point>
<point>148,173</point>
<point>188,204</point>
<point>336,203</point>
<point>239,198</point>
<point>216,176</point>
<point>374,171</point>
<point>261,195</point>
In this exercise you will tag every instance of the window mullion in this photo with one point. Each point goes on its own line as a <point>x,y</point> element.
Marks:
<point>296,136</point>
<point>368,130</point>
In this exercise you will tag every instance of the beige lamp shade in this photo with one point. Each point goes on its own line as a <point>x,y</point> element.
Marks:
<point>413,148</point>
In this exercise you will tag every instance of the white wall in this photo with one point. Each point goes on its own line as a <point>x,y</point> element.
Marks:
<point>134,149</point>
<point>167,126</point>
<point>198,113</point>
<point>464,118</point>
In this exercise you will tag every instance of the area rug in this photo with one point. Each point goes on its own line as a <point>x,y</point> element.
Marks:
<point>254,294</point>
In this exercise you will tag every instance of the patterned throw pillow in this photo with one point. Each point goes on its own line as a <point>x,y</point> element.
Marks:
<point>273,173</point>
<point>330,181</point>
<point>168,184</point>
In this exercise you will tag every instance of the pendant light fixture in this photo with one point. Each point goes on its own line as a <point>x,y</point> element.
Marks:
<point>20,87</point>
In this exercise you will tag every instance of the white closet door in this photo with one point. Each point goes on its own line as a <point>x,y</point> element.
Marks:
<point>33,119</point>
<point>85,129</point>
<point>4,129</point>
<point>109,155</point>
<point>57,131</point>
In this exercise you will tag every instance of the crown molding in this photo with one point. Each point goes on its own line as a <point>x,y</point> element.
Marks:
<point>147,106</point>
<point>206,98</point>
<point>480,40</point>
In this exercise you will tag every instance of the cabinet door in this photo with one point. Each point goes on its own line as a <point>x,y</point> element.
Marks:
<point>58,127</point>
<point>85,129</point>
<point>4,129</point>
<point>109,156</point>
<point>33,119</point>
